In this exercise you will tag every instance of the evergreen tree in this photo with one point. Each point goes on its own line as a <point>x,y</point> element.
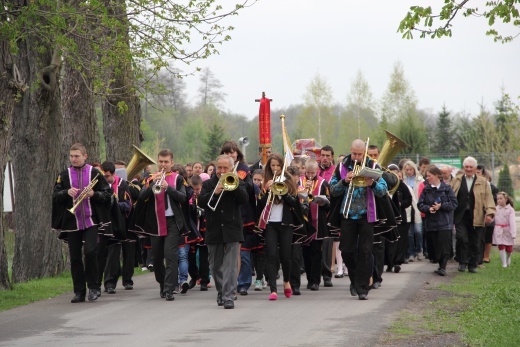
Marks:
<point>443,141</point>
<point>213,142</point>
<point>505,183</point>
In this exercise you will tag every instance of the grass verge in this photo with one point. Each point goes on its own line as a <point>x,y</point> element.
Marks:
<point>467,310</point>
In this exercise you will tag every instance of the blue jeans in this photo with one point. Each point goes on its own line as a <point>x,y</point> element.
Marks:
<point>183,263</point>
<point>415,239</point>
<point>246,273</point>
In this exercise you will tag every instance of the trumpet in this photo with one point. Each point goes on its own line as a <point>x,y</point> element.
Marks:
<point>83,194</point>
<point>157,186</point>
<point>229,181</point>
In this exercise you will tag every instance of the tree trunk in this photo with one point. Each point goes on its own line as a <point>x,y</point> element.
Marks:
<point>9,84</point>
<point>36,153</point>
<point>121,110</point>
<point>79,112</point>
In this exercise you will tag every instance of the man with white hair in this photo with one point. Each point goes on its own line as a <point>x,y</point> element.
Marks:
<point>476,209</point>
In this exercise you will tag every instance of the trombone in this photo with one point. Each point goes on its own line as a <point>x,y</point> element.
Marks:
<point>83,194</point>
<point>356,181</point>
<point>229,181</point>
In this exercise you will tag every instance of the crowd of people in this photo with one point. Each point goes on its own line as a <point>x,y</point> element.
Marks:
<point>239,224</point>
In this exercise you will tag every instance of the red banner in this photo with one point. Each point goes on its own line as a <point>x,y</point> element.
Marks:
<point>264,125</point>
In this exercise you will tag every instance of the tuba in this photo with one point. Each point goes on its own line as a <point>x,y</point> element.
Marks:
<point>138,162</point>
<point>391,147</point>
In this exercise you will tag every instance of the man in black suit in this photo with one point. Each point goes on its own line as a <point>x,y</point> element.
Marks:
<point>223,229</point>
<point>258,164</point>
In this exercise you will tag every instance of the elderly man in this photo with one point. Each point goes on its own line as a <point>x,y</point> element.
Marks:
<point>356,218</point>
<point>223,229</point>
<point>476,208</point>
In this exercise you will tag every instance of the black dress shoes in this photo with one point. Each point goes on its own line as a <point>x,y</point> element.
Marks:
<point>363,297</point>
<point>79,297</point>
<point>440,272</point>
<point>462,267</point>
<point>203,287</point>
<point>229,305</point>
<point>473,270</point>
<point>129,287</point>
<point>376,285</point>
<point>353,291</point>
<point>338,276</point>
<point>220,302</point>
<point>111,290</point>
<point>315,287</point>
<point>296,291</point>
<point>93,294</point>
<point>242,292</point>
<point>397,268</point>
<point>327,282</point>
<point>193,283</point>
<point>169,295</point>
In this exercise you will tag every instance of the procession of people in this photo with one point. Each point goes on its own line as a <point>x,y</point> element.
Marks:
<point>239,225</point>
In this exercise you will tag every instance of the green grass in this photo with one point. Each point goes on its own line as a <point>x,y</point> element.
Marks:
<point>481,308</point>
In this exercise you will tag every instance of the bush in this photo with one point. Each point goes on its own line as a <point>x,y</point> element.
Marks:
<point>505,183</point>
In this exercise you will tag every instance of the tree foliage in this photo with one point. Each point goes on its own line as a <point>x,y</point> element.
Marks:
<point>443,141</point>
<point>213,142</point>
<point>435,24</point>
<point>505,183</point>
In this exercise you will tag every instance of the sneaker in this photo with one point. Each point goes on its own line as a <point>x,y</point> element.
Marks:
<point>150,267</point>
<point>258,285</point>
<point>144,268</point>
<point>169,295</point>
<point>418,257</point>
<point>184,287</point>
<point>264,284</point>
<point>440,272</point>
<point>176,290</point>
<point>410,260</point>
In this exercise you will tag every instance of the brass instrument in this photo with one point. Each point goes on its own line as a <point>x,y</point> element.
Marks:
<point>350,192</point>
<point>138,162</point>
<point>156,189</point>
<point>391,147</point>
<point>229,181</point>
<point>360,181</point>
<point>83,194</point>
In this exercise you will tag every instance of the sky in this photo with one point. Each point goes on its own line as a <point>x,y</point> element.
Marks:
<point>279,46</point>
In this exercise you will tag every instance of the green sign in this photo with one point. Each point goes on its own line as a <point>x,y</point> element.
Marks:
<point>455,162</point>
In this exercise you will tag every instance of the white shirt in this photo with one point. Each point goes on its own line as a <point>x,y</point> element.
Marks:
<point>276,212</point>
<point>169,211</point>
<point>469,181</point>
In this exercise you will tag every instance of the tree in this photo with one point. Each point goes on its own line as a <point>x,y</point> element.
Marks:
<point>210,89</point>
<point>398,98</point>
<point>318,97</point>
<point>213,142</point>
<point>411,130</point>
<point>505,183</point>
<point>443,139</point>
<point>360,98</point>
<point>506,121</point>
<point>439,24</point>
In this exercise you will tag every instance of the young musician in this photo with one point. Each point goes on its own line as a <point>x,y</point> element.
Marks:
<point>278,220</point>
<point>163,219</point>
<point>84,187</point>
<point>223,230</point>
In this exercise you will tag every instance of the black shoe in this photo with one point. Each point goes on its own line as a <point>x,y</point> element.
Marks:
<point>309,285</point>
<point>184,287</point>
<point>220,302</point>
<point>277,276</point>
<point>203,287</point>
<point>129,286</point>
<point>93,294</point>
<point>327,282</point>
<point>405,262</point>
<point>242,292</point>
<point>169,295</point>
<point>363,297</point>
<point>353,291</point>
<point>193,283</point>
<point>296,291</point>
<point>111,290</point>
<point>338,276</point>
<point>473,270</point>
<point>161,291</point>
<point>79,297</point>
<point>388,269</point>
<point>397,268</point>
<point>150,267</point>
<point>440,272</point>
<point>229,305</point>
<point>375,285</point>
<point>462,267</point>
<point>433,261</point>
<point>315,287</point>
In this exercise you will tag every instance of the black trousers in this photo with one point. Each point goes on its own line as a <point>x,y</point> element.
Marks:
<point>312,258</point>
<point>468,238</point>
<point>356,243</point>
<point>129,250</point>
<point>278,236</point>
<point>201,271</point>
<point>402,244</point>
<point>165,248</point>
<point>108,258</point>
<point>442,242</point>
<point>259,262</point>
<point>296,264</point>
<point>88,240</point>
<point>378,253</point>
<point>326,251</point>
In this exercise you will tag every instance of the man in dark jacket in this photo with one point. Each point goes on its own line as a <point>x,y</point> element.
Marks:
<point>223,229</point>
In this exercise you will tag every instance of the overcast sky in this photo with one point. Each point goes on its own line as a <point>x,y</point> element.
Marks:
<point>278,46</point>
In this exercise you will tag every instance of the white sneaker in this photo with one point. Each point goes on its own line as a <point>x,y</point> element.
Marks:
<point>411,259</point>
<point>418,257</point>
<point>264,284</point>
<point>258,285</point>
<point>144,268</point>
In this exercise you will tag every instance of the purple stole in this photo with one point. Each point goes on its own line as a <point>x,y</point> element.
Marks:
<point>160,204</point>
<point>314,206</point>
<point>371,201</point>
<point>79,179</point>
<point>115,185</point>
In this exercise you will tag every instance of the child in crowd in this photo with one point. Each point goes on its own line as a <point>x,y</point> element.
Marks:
<point>505,228</point>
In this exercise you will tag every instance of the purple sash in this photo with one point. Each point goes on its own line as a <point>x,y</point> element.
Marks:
<point>160,205</point>
<point>79,179</point>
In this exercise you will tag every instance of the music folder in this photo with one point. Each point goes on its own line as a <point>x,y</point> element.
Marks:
<point>375,174</point>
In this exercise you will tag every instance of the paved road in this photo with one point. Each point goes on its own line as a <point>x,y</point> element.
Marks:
<point>329,317</point>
